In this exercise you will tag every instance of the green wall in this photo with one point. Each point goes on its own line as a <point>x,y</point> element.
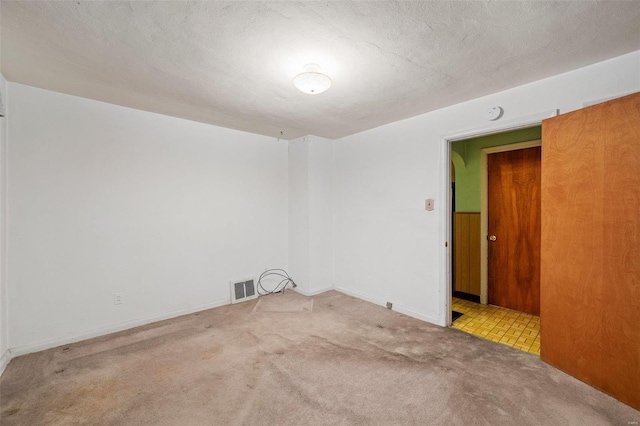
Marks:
<point>468,177</point>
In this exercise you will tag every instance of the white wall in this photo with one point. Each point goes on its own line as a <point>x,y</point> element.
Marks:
<point>320,214</point>
<point>386,246</point>
<point>311,213</point>
<point>299,213</point>
<point>4,330</point>
<point>105,199</point>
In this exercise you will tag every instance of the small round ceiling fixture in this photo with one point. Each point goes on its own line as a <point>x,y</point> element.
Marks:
<point>312,81</point>
<point>494,113</point>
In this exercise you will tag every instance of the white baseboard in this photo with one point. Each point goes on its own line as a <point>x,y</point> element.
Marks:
<point>4,361</point>
<point>362,296</point>
<point>418,315</point>
<point>52,343</point>
<point>313,292</point>
<point>396,307</point>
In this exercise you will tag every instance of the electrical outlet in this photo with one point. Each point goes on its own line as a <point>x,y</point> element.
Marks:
<point>389,305</point>
<point>117,298</point>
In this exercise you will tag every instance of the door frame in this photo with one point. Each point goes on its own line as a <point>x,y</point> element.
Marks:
<point>484,208</point>
<point>445,194</point>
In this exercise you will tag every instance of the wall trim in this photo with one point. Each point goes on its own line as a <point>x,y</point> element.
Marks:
<point>59,341</point>
<point>417,315</point>
<point>4,361</point>
<point>396,307</point>
<point>608,98</point>
<point>445,193</point>
<point>500,127</point>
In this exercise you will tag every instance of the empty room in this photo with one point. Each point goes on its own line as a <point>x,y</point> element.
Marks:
<point>319,212</point>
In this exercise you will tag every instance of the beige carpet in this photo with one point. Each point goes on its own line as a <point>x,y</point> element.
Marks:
<point>343,362</point>
<point>283,302</point>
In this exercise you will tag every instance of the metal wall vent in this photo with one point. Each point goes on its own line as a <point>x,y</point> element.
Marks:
<point>243,290</point>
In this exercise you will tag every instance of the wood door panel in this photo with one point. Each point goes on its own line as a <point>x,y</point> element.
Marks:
<point>474,254</point>
<point>590,265</point>
<point>467,252</point>
<point>461,230</point>
<point>514,218</point>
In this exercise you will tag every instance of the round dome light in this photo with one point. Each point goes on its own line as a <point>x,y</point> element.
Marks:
<point>312,81</point>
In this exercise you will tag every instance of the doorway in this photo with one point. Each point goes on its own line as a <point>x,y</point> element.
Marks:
<point>487,278</point>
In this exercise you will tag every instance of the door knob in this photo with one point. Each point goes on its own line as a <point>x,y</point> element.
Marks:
<point>492,238</point>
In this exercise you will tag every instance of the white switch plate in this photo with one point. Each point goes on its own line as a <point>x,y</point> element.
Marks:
<point>117,298</point>
<point>428,204</point>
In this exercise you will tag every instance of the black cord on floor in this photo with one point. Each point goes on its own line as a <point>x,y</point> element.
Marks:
<point>286,280</point>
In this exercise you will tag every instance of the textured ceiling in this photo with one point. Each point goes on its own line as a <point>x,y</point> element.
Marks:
<point>232,63</point>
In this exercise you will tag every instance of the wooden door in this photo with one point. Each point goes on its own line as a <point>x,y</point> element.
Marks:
<point>590,266</point>
<point>513,269</point>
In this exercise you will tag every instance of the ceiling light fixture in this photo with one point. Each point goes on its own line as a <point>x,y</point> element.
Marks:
<point>312,81</point>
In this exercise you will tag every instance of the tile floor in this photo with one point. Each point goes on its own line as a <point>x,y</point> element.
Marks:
<point>511,328</point>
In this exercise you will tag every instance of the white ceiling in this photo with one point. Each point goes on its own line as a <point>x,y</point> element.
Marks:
<point>232,63</point>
